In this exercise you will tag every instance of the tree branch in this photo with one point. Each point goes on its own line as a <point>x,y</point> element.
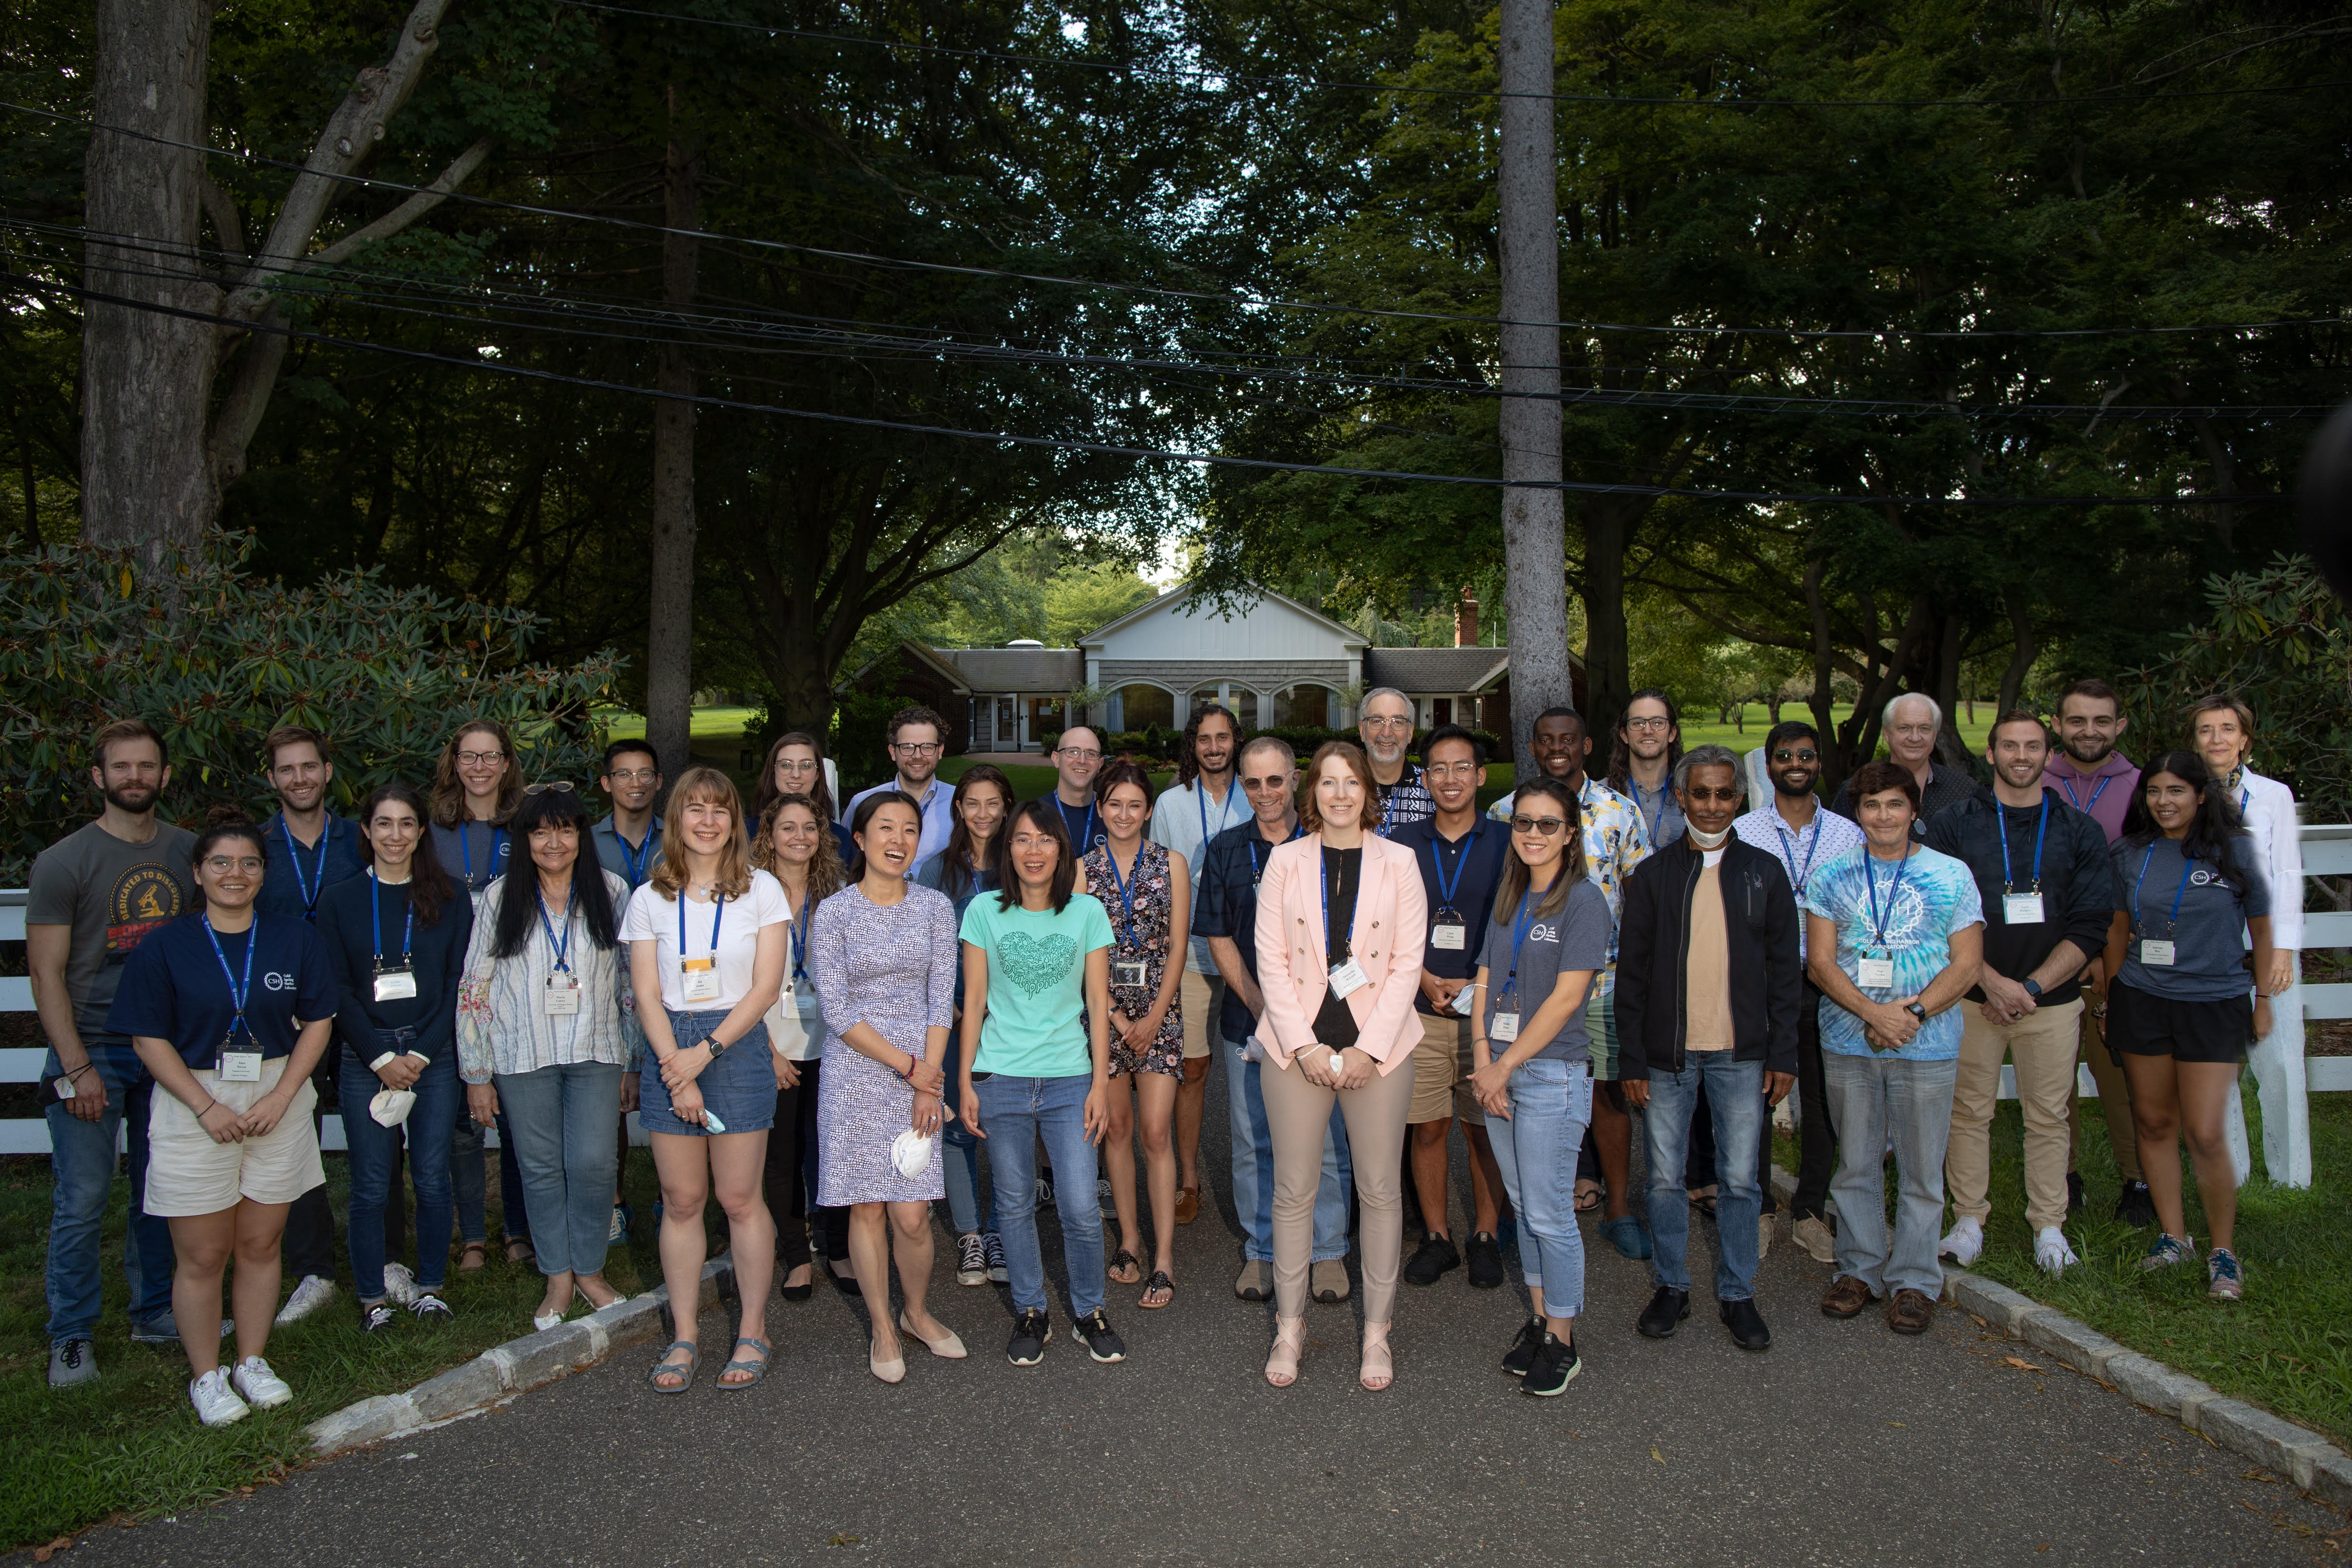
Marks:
<point>461,169</point>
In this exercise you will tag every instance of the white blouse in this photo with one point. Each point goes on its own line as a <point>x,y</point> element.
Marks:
<point>2268,807</point>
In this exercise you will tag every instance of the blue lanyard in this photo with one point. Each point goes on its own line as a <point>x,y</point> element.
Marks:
<point>1789,849</point>
<point>1085,839</point>
<point>1870,880</point>
<point>2097,792</point>
<point>2187,864</point>
<point>1445,890</point>
<point>717,913</point>
<point>237,992</point>
<point>466,851</point>
<point>562,944</point>
<point>2008,876</point>
<point>1666,799</point>
<point>1125,887</point>
<point>1521,923</point>
<point>310,886</point>
<point>1224,810</point>
<point>376,920</point>
<point>637,862</point>
<point>800,946</point>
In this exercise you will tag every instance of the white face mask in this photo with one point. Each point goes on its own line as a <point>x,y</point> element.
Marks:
<point>1706,840</point>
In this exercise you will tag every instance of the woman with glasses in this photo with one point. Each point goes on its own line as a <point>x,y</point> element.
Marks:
<point>795,847</point>
<point>230,1010</point>
<point>1342,922</point>
<point>962,872</point>
<point>397,938</point>
<point>542,1042</point>
<point>795,766</point>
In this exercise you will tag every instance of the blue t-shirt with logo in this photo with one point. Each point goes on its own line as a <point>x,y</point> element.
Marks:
<point>2207,936</point>
<point>173,987</point>
<point>1913,925</point>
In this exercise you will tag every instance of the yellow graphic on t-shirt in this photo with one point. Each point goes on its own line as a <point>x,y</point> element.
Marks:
<point>143,898</point>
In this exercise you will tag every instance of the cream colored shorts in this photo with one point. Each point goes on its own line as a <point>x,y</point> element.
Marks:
<point>1204,996</point>
<point>188,1173</point>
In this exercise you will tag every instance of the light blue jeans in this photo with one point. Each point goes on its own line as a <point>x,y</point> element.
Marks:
<point>565,1122</point>
<point>1874,1099</point>
<point>1735,1099</point>
<point>81,1166</point>
<point>1017,1114</point>
<point>961,1159</point>
<point>1254,1168</point>
<point>1551,1104</point>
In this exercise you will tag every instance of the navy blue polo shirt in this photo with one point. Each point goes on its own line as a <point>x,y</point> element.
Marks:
<point>1469,866</point>
<point>175,988</point>
<point>297,876</point>
<point>1225,904</point>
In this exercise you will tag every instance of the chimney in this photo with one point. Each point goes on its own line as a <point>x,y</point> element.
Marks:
<point>1466,620</point>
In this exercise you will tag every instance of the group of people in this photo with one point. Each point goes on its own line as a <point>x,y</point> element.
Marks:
<point>824,1018</point>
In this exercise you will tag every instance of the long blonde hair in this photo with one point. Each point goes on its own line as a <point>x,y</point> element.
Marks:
<point>824,868</point>
<point>713,788</point>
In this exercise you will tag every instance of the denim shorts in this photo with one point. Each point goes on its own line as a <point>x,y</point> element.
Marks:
<point>740,1087</point>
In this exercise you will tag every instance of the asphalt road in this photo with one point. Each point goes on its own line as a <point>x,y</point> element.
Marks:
<point>1841,1444</point>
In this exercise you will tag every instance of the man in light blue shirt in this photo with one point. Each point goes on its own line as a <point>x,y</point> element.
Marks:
<point>916,738</point>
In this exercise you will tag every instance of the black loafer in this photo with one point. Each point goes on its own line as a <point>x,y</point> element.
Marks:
<point>1668,1307</point>
<point>1485,1255</point>
<point>1747,1325</point>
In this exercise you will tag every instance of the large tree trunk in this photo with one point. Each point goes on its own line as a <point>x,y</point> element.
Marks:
<point>669,635</point>
<point>1535,544</point>
<point>147,377</point>
<point>2022,648</point>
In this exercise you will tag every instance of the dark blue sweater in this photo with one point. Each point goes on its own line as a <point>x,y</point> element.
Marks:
<point>437,954</point>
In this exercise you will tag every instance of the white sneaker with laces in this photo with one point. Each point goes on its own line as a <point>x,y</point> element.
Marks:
<point>2050,1253</point>
<point>399,1284</point>
<point>310,1295</point>
<point>1965,1245</point>
<point>263,1389</point>
<point>217,1403</point>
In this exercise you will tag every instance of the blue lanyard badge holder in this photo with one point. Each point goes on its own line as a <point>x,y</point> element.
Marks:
<point>1448,932</point>
<point>562,993</point>
<point>2022,908</point>
<point>1505,1024</point>
<point>393,982</point>
<point>237,1065</point>
<point>698,977</point>
<point>2154,953</point>
<point>1128,972</point>
<point>1875,971</point>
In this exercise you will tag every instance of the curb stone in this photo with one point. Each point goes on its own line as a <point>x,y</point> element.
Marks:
<point>506,1370</point>
<point>2303,1457</point>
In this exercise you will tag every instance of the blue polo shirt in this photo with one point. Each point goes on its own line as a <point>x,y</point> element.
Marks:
<point>174,987</point>
<point>1471,867</point>
<point>298,876</point>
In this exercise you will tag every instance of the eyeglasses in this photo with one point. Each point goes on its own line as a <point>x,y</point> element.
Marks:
<point>1078,753</point>
<point>1393,721</point>
<point>480,759</point>
<point>1660,724</point>
<point>562,786</point>
<point>1450,770</point>
<point>1808,755</point>
<point>221,865</point>
<point>796,764</point>
<point>1547,826</point>
<point>916,748</point>
<point>634,775</point>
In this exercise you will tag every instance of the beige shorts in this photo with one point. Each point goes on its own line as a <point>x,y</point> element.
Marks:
<point>1441,1072</point>
<point>1204,996</point>
<point>188,1173</point>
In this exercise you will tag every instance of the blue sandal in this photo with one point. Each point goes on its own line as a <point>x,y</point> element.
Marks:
<point>1626,1235</point>
<point>758,1368</point>
<point>663,1365</point>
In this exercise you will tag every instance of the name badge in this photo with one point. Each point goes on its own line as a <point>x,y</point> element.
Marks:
<point>65,1087</point>
<point>1449,936</point>
<point>395,984</point>
<point>1128,971</point>
<point>563,997</point>
<point>1504,1026</point>
<point>1876,974</point>
<point>2156,955</point>
<point>2021,909</point>
<point>699,979</point>
<point>1348,978</point>
<point>244,1067</point>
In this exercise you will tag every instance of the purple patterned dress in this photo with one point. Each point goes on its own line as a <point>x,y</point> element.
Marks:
<point>893,968</point>
<point>1144,941</point>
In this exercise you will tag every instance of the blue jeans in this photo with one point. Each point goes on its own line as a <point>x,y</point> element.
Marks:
<point>1735,1100</point>
<point>81,1164</point>
<point>1015,1113</point>
<point>375,1157</point>
<point>1552,1105</point>
<point>1254,1168</point>
<point>564,1121</point>
<point>962,1156</point>
<point>469,1182</point>
<point>1874,1099</point>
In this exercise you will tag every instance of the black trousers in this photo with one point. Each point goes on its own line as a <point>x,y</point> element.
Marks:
<point>309,1243</point>
<point>789,1179</point>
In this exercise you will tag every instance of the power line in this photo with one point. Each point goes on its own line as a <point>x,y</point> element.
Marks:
<point>1101,448</point>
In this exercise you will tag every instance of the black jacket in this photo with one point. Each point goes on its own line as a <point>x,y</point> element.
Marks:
<point>2077,884</point>
<point>1653,955</point>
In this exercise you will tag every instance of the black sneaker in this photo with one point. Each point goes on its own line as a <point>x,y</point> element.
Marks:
<point>431,1308</point>
<point>1429,1261</point>
<point>2073,1192</point>
<point>1486,1258</point>
<point>1030,1331</point>
<point>1101,1344</point>
<point>2135,1206</point>
<point>1522,1353</point>
<point>1554,1368</point>
<point>377,1317</point>
<point>1667,1308</point>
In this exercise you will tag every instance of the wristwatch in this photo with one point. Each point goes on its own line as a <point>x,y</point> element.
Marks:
<point>1916,1011</point>
<point>2033,988</point>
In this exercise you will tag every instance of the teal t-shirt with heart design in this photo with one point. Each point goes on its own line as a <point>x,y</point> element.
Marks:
<point>1036,1025</point>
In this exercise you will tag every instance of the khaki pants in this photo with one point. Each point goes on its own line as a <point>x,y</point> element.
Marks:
<point>2044,1044</point>
<point>2114,1094</point>
<point>1298,1124</point>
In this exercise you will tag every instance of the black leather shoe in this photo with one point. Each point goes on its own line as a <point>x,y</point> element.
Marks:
<point>1485,1258</point>
<point>2135,1206</point>
<point>1665,1313</point>
<point>1747,1325</point>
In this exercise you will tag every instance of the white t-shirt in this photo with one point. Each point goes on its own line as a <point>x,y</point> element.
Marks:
<point>654,918</point>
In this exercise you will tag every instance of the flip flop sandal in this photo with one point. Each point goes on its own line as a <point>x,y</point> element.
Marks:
<point>1158,1282</point>
<point>663,1366</point>
<point>520,1250</point>
<point>758,1368</point>
<point>473,1257</point>
<point>1125,1269</point>
<point>1587,1201</point>
<point>1705,1203</point>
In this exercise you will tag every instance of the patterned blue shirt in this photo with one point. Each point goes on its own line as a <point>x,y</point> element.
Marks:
<point>1913,925</point>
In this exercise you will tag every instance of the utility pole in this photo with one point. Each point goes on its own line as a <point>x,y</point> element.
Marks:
<point>1535,542</point>
<point>669,630</point>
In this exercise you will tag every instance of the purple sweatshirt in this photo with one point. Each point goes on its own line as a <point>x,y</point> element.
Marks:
<point>2105,792</point>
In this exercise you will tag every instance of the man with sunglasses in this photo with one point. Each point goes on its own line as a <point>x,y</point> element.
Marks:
<point>915,738</point>
<point>1794,827</point>
<point>1386,727</point>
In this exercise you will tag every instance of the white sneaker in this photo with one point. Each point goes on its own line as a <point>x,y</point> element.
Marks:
<point>399,1284</point>
<point>1965,1245</point>
<point>310,1295</point>
<point>216,1404</point>
<point>2051,1252</point>
<point>263,1389</point>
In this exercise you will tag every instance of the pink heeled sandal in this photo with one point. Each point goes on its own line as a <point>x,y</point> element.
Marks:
<point>1289,1344</point>
<point>1377,1369</point>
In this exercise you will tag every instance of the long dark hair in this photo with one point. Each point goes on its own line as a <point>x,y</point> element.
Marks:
<point>429,886</point>
<point>518,904</point>
<point>956,865</point>
<point>1048,817</point>
<point>1514,884</point>
<point>1188,764</point>
<point>764,794</point>
<point>864,815</point>
<point>1620,776</point>
<point>2216,833</point>
<point>225,822</point>
<point>449,790</point>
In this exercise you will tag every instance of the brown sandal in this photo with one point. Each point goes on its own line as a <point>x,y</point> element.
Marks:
<point>520,1250</point>
<point>473,1257</point>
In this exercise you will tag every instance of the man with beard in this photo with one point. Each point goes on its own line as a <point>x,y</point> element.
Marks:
<point>1794,825</point>
<point>916,739</point>
<point>1188,814</point>
<point>1386,727</point>
<point>2093,777</point>
<point>96,894</point>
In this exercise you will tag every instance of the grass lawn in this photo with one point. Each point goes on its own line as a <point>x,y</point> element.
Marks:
<point>2287,1346</point>
<point>709,723</point>
<point>1699,728</point>
<point>128,1444</point>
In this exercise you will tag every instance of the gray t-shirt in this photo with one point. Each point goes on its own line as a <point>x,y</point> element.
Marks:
<point>1574,938</point>
<point>113,894</point>
<point>2208,941</point>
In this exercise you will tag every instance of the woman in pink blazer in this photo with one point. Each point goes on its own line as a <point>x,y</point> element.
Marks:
<point>1342,923</point>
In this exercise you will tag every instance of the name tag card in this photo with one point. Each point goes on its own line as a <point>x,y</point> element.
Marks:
<point>1347,978</point>
<point>563,997</point>
<point>1877,974</point>
<point>240,1067</point>
<point>1505,1026</point>
<point>1449,936</point>
<point>2021,909</point>
<point>699,979</point>
<point>1128,971</point>
<point>396,985</point>
<point>65,1087</point>
<point>2155,955</point>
